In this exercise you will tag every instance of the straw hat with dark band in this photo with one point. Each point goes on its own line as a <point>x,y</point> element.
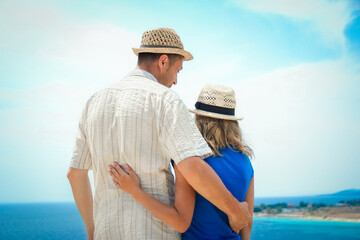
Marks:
<point>162,40</point>
<point>216,102</point>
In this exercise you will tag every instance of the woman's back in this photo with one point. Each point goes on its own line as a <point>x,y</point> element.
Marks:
<point>235,170</point>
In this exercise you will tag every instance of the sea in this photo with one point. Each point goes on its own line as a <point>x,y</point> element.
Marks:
<point>62,221</point>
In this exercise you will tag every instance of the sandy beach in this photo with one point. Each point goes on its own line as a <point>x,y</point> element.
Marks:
<point>336,214</point>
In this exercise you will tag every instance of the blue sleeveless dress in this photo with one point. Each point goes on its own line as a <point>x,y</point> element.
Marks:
<point>208,222</point>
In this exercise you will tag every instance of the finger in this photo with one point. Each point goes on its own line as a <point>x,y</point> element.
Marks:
<point>128,169</point>
<point>114,172</point>
<point>111,167</point>
<point>116,184</point>
<point>119,169</point>
<point>114,179</point>
<point>240,228</point>
<point>236,229</point>
<point>112,175</point>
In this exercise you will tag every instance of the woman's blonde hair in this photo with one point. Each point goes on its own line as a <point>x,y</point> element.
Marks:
<point>220,133</point>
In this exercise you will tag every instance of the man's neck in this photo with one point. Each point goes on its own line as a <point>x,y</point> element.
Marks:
<point>149,69</point>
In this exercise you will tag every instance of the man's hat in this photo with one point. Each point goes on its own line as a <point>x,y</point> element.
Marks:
<point>216,102</point>
<point>162,40</point>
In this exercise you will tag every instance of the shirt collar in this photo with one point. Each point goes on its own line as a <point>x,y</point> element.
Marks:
<point>142,73</point>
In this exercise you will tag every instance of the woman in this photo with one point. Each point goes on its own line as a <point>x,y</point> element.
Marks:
<point>216,120</point>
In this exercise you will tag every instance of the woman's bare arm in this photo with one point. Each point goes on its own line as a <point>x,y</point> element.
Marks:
<point>249,198</point>
<point>178,216</point>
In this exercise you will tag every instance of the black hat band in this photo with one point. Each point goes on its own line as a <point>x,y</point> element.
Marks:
<point>215,109</point>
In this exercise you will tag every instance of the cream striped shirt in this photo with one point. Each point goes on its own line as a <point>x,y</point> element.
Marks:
<point>150,125</point>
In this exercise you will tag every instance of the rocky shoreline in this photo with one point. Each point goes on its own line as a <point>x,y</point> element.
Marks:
<point>326,214</point>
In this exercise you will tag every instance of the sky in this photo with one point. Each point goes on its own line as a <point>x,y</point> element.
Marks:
<point>294,65</point>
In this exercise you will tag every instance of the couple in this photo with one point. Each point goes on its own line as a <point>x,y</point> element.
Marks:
<point>140,122</point>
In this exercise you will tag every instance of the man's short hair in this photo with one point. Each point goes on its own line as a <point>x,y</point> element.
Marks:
<point>151,57</point>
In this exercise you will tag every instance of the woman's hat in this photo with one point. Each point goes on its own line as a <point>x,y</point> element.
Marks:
<point>162,40</point>
<point>216,102</point>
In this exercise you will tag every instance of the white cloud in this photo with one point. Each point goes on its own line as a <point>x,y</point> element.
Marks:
<point>101,49</point>
<point>96,53</point>
<point>328,17</point>
<point>25,26</point>
<point>302,122</point>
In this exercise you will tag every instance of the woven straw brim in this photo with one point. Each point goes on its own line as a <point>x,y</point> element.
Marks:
<point>187,56</point>
<point>215,115</point>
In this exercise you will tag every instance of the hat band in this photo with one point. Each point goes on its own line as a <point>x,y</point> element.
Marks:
<point>159,46</point>
<point>214,109</point>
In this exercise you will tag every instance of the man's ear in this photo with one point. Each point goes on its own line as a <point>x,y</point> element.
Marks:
<point>163,62</point>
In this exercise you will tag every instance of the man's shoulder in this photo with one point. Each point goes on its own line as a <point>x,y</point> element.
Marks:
<point>146,85</point>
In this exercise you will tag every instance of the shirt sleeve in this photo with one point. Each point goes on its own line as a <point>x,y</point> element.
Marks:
<point>81,157</point>
<point>179,135</point>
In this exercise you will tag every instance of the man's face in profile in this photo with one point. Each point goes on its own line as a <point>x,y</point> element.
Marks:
<point>170,73</point>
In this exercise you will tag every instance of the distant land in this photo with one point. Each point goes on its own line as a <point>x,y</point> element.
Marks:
<point>349,192</point>
<point>333,198</point>
<point>343,206</point>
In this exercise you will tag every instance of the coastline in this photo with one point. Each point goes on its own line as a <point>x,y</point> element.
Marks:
<point>303,215</point>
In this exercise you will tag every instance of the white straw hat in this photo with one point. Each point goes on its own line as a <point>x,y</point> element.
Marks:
<point>216,102</point>
<point>162,40</point>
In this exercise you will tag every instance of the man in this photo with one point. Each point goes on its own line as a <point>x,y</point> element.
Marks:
<point>140,121</point>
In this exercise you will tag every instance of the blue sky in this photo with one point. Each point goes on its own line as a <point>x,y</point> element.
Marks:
<point>294,65</point>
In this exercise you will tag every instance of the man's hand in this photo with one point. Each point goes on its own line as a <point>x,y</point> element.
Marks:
<point>240,218</point>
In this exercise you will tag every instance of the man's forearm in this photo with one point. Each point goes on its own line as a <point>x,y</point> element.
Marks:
<point>81,189</point>
<point>207,183</point>
<point>246,232</point>
<point>249,198</point>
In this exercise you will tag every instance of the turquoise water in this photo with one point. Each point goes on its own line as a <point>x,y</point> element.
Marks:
<point>63,221</point>
<point>296,229</point>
